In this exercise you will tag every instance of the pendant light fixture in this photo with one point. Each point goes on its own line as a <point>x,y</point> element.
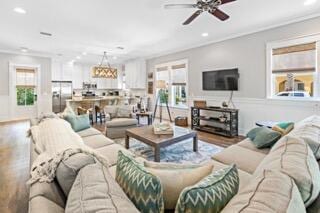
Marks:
<point>104,71</point>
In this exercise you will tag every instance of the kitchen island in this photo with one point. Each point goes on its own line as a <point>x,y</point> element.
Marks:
<point>100,101</point>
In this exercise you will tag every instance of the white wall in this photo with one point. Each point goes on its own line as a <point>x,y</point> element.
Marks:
<point>45,96</point>
<point>248,53</point>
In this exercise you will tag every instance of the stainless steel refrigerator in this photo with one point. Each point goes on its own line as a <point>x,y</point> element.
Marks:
<point>61,91</point>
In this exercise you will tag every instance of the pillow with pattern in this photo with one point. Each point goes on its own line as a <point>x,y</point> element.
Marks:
<point>211,194</point>
<point>142,188</point>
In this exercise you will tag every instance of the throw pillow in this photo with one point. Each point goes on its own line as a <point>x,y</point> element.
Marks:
<point>78,122</point>
<point>124,112</point>
<point>143,188</point>
<point>68,169</point>
<point>253,133</point>
<point>111,111</point>
<point>67,111</point>
<point>271,191</point>
<point>283,128</point>
<point>311,135</point>
<point>175,177</point>
<point>211,194</point>
<point>293,157</point>
<point>266,138</point>
<point>94,190</point>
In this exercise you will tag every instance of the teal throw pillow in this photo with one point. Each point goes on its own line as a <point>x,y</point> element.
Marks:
<point>78,122</point>
<point>211,194</point>
<point>284,128</point>
<point>266,138</point>
<point>142,188</point>
<point>253,133</point>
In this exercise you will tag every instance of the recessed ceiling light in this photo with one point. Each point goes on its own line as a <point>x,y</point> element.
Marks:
<point>84,53</point>
<point>19,10</point>
<point>204,34</point>
<point>24,49</point>
<point>78,57</point>
<point>114,57</point>
<point>309,2</point>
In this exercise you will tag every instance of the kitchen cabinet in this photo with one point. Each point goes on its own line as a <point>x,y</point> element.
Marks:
<point>135,72</point>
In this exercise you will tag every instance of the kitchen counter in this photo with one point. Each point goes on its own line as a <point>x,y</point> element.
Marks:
<point>98,98</point>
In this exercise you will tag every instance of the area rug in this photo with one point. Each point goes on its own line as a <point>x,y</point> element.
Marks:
<point>178,153</point>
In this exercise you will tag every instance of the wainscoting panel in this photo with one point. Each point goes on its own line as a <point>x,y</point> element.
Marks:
<point>252,110</point>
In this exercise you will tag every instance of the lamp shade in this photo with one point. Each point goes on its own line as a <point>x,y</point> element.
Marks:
<point>161,84</point>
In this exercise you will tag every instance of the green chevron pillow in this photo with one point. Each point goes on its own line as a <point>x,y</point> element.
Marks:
<point>211,194</point>
<point>141,187</point>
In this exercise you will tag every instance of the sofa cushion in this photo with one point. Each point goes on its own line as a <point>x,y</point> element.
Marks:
<point>78,122</point>
<point>68,169</point>
<point>89,132</point>
<point>119,122</point>
<point>245,159</point>
<point>50,191</point>
<point>313,120</point>
<point>183,175</point>
<point>97,141</point>
<point>124,112</point>
<point>97,192</point>
<point>211,194</point>
<point>143,188</point>
<point>247,143</point>
<point>244,177</point>
<point>111,152</point>
<point>41,204</point>
<point>272,191</point>
<point>266,138</point>
<point>311,135</point>
<point>111,111</point>
<point>293,157</point>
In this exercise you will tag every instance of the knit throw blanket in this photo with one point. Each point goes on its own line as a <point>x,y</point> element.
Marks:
<point>57,142</point>
<point>44,167</point>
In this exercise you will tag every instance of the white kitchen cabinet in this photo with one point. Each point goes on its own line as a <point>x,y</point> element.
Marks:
<point>135,71</point>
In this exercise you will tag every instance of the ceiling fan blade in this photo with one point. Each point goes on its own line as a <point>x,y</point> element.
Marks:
<point>179,6</point>
<point>219,14</point>
<point>226,1</point>
<point>191,18</point>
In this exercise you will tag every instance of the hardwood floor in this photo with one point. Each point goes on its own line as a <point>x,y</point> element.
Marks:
<point>14,167</point>
<point>15,160</point>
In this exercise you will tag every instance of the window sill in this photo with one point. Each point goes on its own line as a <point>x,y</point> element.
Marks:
<point>176,107</point>
<point>294,99</point>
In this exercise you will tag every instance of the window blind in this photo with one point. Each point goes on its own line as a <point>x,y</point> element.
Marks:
<point>25,78</point>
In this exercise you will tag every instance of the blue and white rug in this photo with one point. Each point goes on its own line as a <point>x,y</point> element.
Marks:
<point>178,153</point>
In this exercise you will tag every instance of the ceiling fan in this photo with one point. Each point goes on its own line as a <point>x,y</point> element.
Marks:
<point>210,6</point>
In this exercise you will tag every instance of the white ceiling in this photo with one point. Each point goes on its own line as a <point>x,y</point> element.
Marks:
<point>143,27</point>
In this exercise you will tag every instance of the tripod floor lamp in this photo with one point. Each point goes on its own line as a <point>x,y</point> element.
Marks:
<point>160,97</point>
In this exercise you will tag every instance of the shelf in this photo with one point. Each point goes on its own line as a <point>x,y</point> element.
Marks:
<point>215,120</point>
<point>213,130</point>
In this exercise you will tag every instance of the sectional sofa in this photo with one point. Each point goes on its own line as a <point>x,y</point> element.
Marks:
<point>50,198</point>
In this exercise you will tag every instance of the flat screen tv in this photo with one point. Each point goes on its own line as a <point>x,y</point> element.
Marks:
<point>222,80</point>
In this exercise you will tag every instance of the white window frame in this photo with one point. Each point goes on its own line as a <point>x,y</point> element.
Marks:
<point>270,86</point>
<point>170,88</point>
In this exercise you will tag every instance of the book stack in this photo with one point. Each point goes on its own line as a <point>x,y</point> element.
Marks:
<point>163,128</point>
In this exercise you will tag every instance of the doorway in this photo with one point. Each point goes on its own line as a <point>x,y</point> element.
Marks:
<point>24,91</point>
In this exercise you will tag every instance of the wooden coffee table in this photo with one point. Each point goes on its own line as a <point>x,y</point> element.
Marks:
<point>145,134</point>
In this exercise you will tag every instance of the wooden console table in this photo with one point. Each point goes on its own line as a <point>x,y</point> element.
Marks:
<point>212,123</point>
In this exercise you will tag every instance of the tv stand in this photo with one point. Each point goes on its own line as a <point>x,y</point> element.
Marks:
<point>213,124</point>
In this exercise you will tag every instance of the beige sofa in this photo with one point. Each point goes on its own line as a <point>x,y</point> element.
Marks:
<point>49,197</point>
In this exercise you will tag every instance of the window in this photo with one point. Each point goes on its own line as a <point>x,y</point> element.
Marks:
<point>174,75</point>
<point>25,87</point>
<point>293,69</point>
